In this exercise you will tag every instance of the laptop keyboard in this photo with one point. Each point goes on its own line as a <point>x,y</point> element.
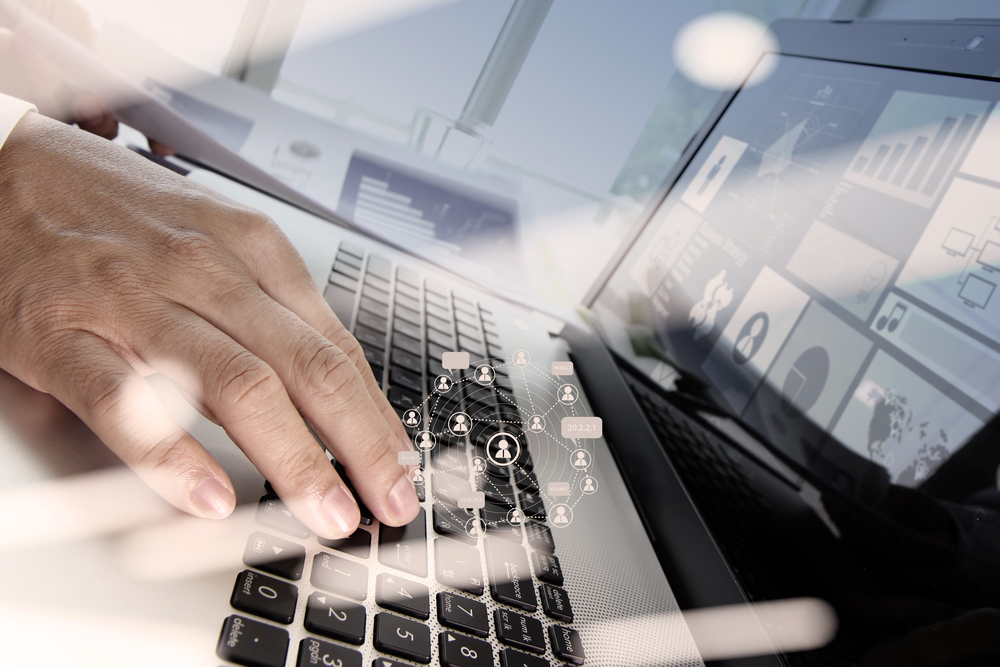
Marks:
<point>495,570</point>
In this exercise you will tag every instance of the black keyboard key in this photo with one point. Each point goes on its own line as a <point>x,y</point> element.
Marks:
<point>494,350</point>
<point>408,314</point>
<point>407,329</point>
<point>375,294</point>
<point>264,596</point>
<point>555,602</point>
<point>401,378</point>
<point>473,347</point>
<point>273,513</point>
<point>402,637</point>
<point>407,344</point>
<point>346,269</point>
<point>372,321</point>
<point>460,651</point>
<point>339,575</point>
<point>405,548</point>
<point>380,266</point>
<point>399,594</point>
<point>470,330</point>
<point>437,310</point>
<point>498,524</point>
<point>448,486</point>
<point>450,458</point>
<point>434,368</point>
<point>275,555</point>
<point>374,307</point>
<point>540,537</point>
<point>441,339</point>
<point>452,522</point>
<point>314,652</point>
<point>358,544</point>
<point>404,400</point>
<point>457,565</point>
<point>526,480</point>
<point>252,643</point>
<point>336,618</point>
<point>439,324</point>
<point>547,567</point>
<point>434,351</point>
<point>405,274</point>
<point>519,631</point>
<point>510,579</point>
<point>460,613</point>
<point>407,302</point>
<point>375,359</point>
<point>346,282</point>
<point>348,258</point>
<point>464,313</point>
<point>370,337</point>
<point>511,658</point>
<point>352,249</point>
<point>408,290</point>
<point>378,283</point>
<point>566,644</point>
<point>496,490</point>
<point>533,505</point>
<point>341,302</point>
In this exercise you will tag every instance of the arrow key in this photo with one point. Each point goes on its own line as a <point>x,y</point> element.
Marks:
<point>275,555</point>
<point>336,618</point>
<point>407,597</point>
<point>461,613</point>
<point>405,547</point>
<point>461,651</point>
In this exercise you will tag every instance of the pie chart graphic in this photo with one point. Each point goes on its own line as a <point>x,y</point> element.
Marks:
<point>804,382</point>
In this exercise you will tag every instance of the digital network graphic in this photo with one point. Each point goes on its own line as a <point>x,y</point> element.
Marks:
<point>503,445</point>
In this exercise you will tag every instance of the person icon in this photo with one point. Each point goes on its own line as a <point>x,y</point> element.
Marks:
<point>568,395</point>
<point>515,517</point>
<point>588,485</point>
<point>581,460</point>
<point>478,464</point>
<point>443,383</point>
<point>716,168</point>
<point>503,452</point>
<point>418,476</point>
<point>411,417</point>
<point>484,374</point>
<point>536,424</point>
<point>460,426</point>
<point>521,358</point>
<point>425,440</point>
<point>560,517</point>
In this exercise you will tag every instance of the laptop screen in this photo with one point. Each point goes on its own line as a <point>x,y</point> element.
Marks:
<point>826,267</point>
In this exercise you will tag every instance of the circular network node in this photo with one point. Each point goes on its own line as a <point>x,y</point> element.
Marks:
<point>416,476</point>
<point>459,423</point>
<point>520,358</point>
<point>580,459</point>
<point>425,440</point>
<point>568,394</point>
<point>411,418</point>
<point>485,374</point>
<point>478,464</point>
<point>442,383</point>
<point>561,515</point>
<point>502,449</point>
<point>536,424</point>
<point>514,517</point>
<point>588,485</point>
<point>475,527</point>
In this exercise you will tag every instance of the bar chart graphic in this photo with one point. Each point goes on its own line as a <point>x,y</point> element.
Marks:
<point>915,144</point>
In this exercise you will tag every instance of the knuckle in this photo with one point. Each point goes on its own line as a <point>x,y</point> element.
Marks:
<point>302,471</point>
<point>329,374</point>
<point>373,453</point>
<point>246,384</point>
<point>190,248</point>
<point>174,457</point>
<point>107,397</point>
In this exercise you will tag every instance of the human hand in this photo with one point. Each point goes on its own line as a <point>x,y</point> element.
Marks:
<point>112,268</point>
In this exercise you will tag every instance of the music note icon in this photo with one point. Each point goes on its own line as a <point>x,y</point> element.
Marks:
<point>892,319</point>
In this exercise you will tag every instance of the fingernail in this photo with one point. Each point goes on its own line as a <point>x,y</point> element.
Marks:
<point>341,510</point>
<point>403,501</point>
<point>212,499</point>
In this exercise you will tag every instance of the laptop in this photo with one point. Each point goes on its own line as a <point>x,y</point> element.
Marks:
<point>773,444</point>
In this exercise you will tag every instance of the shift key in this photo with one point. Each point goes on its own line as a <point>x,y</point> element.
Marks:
<point>510,578</point>
<point>405,548</point>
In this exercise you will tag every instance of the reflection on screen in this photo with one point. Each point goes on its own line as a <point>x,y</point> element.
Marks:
<point>827,265</point>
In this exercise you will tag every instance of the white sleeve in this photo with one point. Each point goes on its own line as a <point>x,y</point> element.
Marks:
<point>11,110</point>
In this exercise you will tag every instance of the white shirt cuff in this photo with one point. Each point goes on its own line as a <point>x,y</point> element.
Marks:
<point>11,110</point>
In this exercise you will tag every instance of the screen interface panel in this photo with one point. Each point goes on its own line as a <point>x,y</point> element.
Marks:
<point>828,266</point>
